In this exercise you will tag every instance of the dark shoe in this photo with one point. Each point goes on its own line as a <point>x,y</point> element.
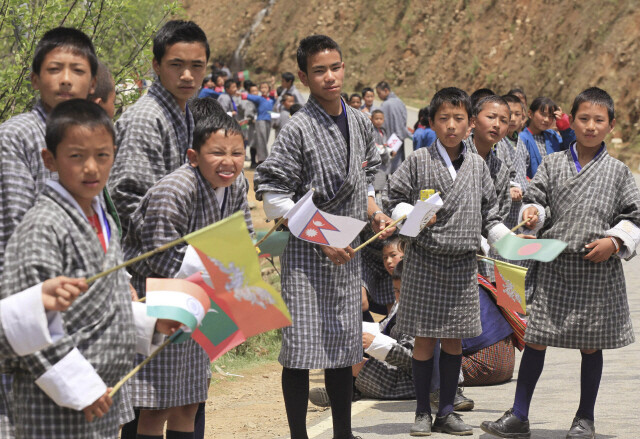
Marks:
<point>509,426</point>
<point>422,425</point>
<point>582,428</point>
<point>460,403</point>
<point>319,396</point>
<point>452,424</point>
<point>357,395</point>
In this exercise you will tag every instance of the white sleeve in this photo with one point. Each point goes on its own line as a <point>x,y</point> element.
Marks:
<point>514,184</point>
<point>629,233</point>
<point>26,324</point>
<point>371,192</point>
<point>72,382</point>
<point>401,209</point>
<point>497,232</point>
<point>191,263</point>
<point>380,346</point>
<point>276,205</point>
<point>147,340</point>
<point>541,217</point>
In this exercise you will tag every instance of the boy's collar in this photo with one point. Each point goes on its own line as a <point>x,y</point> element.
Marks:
<point>97,204</point>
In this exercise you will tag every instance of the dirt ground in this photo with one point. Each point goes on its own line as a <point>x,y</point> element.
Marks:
<point>252,406</point>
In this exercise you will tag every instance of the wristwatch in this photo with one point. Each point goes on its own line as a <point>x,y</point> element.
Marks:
<point>373,215</point>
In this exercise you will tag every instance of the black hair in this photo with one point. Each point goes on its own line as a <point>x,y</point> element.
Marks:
<point>313,44</point>
<point>355,95</point>
<point>449,95</point>
<point>543,103</point>
<point>216,121</point>
<point>286,96</point>
<point>247,84</point>
<point>288,76</point>
<point>513,99</point>
<point>228,83</point>
<point>367,90</point>
<point>374,112</point>
<point>294,109</point>
<point>495,99</point>
<point>75,112</point>
<point>68,38</point>
<point>104,84</point>
<point>423,118</point>
<point>517,91</point>
<point>344,96</point>
<point>201,108</point>
<point>392,240</point>
<point>595,96</point>
<point>383,85</point>
<point>479,94</point>
<point>178,31</point>
<point>206,79</point>
<point>397,271</point>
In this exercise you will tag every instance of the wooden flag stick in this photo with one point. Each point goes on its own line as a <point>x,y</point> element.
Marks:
<point>499,262</point>
<point>273,229</point>
<point>136,369</point>
<point>521,224</point>
<point>374,237</point>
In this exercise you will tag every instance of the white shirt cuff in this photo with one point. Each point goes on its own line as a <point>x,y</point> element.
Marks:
<point>371,192</point>
<point>191,263</point>
<point>497,232</point>
<point>276,205</point>
<point>146,337</point>
<point>401,209</point>
<point>484,246</point>
<point>72,382</point>
<point>26,325</point>
<point>380,346</point>
<point>629,233</point>
<point>514,184</point>
<point>541,217</point>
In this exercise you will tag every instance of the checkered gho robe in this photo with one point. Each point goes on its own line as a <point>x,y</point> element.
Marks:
<point>392,378</point>
<point>324,299</point>
<point>54,239</point>
<point>439,283</point>
<point>152,137</point>
<point>577,303</point>
<point>180,203</point>
<point>515,155</point>
<point>22,177</point>
<point>375,277</point>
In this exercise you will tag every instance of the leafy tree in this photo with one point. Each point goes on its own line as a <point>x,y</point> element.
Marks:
<point>121,30</point>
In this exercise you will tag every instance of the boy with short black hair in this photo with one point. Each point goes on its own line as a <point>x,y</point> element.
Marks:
<point>327,146</point>
<point>288,86</point>
<point>228,99</point>
<point>368,96</point>
<point>262,123</point>
<point>104,93</point>
<point>286,102</point>
<point>69,231</point>
<point>395,119</point>
<point>432,309</point>
<point>590,200</point>
<point>208,189</point>
<point>64,67</point>
<point>154,134</point>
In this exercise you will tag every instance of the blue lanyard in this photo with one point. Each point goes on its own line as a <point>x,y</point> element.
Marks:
<point>575,156</point>
<point>106,224</point>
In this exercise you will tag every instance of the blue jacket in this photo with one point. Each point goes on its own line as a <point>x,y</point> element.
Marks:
<point>553,142</point>
<point>264,106</point>
<point>208,93</point>
<point>423,137</point>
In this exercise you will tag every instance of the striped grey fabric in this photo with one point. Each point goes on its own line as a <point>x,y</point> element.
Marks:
<point>515,155</point>
<point>439,284</point>
<point>152,137</point>
<point>180,203</point>
<point>577,303</point>
<point>324,299</point>
<point>374,275</point>
<point>54,239</point>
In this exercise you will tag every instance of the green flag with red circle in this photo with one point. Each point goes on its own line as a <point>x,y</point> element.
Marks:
<point>517,249</point>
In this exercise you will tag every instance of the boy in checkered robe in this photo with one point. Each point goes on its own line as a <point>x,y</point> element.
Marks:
<point>154,134</point>
<point>22,172</point>
<point>439,287</point>
<point>208,189</point>
<point>580,301</point>
<point>61,391</point>
<point>328,146</point>
<point>26,333</point>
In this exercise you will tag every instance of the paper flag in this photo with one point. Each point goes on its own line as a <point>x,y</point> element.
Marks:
<point>177,299</point>
<point>394,142</point>
<point>510,286</point>
<point>421,214</point>
<point>518,249</point>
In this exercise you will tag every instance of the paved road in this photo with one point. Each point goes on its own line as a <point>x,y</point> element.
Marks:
<point>554,402</point>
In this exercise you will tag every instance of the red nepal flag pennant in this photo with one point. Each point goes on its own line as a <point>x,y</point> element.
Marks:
<point>309,223</point>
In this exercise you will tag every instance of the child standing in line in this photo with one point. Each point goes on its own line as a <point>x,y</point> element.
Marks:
<point>262,123</point>
<point>380,137</point>
<point>286,102</point>
<point>228,99</point>
<point>431,308</point>
<point>580,299</point>
<point>423,135</point>
<point>539,139</point>
<point>355,101</point>
<point>368,96</point>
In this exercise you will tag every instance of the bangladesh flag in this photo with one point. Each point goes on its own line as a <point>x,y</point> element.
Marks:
<point>517,249</point>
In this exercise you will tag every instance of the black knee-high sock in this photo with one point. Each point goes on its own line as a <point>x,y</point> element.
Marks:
<point>449,372</point>
<point>147,436</point>
<point>422,371</point>
<point>179,434</point>
<point>590,374</point>
<point>130,429</point>
<point>198,425</point>
<point>339,384</point>
<point>531,366</point>
<point>295,389</point>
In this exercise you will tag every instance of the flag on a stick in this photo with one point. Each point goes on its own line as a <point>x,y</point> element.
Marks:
<point>421,214</point>
<point>518,249</point>
<point>510,286</point>
<point>309,223</point>
<point>177,299</point>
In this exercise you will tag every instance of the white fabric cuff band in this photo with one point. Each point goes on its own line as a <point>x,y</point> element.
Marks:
<point>514,184</point>
<point>276,205</point>
<point>497,232</point>
<point>401,209</point>
<point>541,216</point>
<point>380,346</point>
<point>371,192</point>
<point>72,382</point>
<point>25,322</point>
<point>629,233</point>
<point>145,328</point>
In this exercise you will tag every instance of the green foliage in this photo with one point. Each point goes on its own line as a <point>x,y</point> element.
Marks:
<point>263,348</point>
<point>121,30</point>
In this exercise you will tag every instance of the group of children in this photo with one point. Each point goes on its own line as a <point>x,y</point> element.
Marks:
<point>80,194</point>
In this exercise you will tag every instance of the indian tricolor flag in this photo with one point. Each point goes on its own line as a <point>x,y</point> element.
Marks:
<point>177,299</point>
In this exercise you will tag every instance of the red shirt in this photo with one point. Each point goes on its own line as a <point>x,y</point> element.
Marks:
<point>95,223</point>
